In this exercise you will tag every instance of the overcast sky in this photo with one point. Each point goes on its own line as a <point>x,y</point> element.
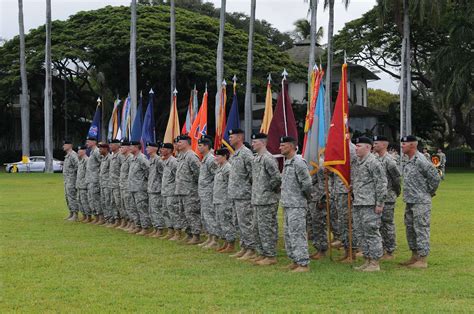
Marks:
<point>280,13</point>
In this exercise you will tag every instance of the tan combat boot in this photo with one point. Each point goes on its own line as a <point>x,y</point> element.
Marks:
<point>186,238</point>
<point>83,218</point>
<point>88,219</point>
<point>152,233</point>
<point>387,257</point>
<point>336,244</point>
<point>196,239</point>
<point>248,255</point>
<point>213,243</point>
<point>176,236</point>
<point>74,217</point>
<point>96,220</point>
<point>69,216</point>
<point>208,240</point>
<point>136,229</point>
<point>300,269</point>
<point>347,259</point>
<point>239,253</point>
<point>421,263</point>
<point>170,234</point>
<point>229,248</point>
<point>222,247</point>
<point>373,266</point>
<point>267,261</point>
<point>364,265</point>
<point>291,266</point>
<point>319,255</point>
<point>143,232</point>
<point>101,220</point>
<point>413,259</point>
<point>158,233</point>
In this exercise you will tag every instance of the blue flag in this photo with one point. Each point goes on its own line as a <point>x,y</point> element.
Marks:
<point>138,123</point>
<point>148,130</point>
<point>233,122</point>
<point>94,130</point>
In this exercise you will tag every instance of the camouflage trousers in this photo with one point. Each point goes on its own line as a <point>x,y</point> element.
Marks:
<point>208,214</point>
<point>116,203</point>
<point>171,213</point>
<point>367,228</point>
<point>266,229</point>
<point>343,216</point>
<point>140,202</point>
<point>334,220</point>
<point>93,195</point>
<point>244,212</point>
<point>83,202</point>
<point>155,204</point>
<point>225,227</point>
<point>387,229</point>
<point>417,223</point>
<point>318,234</point>
<point>190,206</point>
<point>70,194</point>
<point>296,242</point>
<point>105,194</point>
<point>127,207</point>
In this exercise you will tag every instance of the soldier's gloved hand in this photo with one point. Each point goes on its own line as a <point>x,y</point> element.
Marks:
<point>378,209</point>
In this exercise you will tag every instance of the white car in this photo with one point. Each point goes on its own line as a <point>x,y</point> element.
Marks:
<point>34,164</point>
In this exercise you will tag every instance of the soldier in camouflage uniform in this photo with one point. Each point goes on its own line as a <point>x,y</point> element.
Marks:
<point>266,182</point>
<point>223,206</point>
<point>240,192</point>
<point>155,199</point>
<point>369,185</point>
<point>168,186</point>
<point>187,177</point>
<point>442,162</point>
<point>317,208</point>
<point>115,163</point>
<point>81,185</point>
<point>205,186</point>
<point>127,213</point>
<point>421,181</point>
<point>138,185</point>
<point>70,165</point>
<point>390,167</point>
<point>104,184</point>
<point>296,190</point>
<point>92,178</point>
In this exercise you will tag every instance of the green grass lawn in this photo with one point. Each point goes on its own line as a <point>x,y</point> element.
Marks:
<point>50,265</point>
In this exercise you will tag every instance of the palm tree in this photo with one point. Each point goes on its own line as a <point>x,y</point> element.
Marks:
<point>173,47</point>
<point>248,84</point>
<point>220,58</point>
<point>48,96</point>
<point>303,31</point>
<point>133,59</point>
<point>24,98</point>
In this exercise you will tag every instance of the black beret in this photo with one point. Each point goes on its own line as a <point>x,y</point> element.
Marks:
<point>380,138</point>
<point>205,141</point>
<point>167,145</point>
<point>91,138</point>
<point>152,144</point>
<point>259,136</point>
<point>222,152</point>
<point>67,141</point>
<point>208,137</point>
<point>363,140</point>
<point>184,138</point>
<point>176,140</point>
<point>409,138</point>
<point>103,145</point>
<point>114,141</point>
<point>236,131</point>
<point>287,139</point>
<point>135,143</point>
<point>81,147</point>
<point>125,142</point>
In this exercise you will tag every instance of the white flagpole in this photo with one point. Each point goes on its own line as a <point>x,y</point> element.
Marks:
<point>284,74</point>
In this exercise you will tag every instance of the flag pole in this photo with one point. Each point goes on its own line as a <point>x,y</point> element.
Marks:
<point>328,219</point>
<point>284,74</point>
<point>349,217</point>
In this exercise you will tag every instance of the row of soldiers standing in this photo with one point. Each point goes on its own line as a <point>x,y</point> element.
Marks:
<point>230,196</point>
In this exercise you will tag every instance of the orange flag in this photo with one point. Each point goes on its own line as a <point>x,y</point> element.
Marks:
<point>199,127</point>
<point>268,113</point>
<point>172,129</point>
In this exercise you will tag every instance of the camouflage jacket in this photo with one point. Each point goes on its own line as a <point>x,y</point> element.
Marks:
<point>156,174</point>
<point>369,182</point>
<point>124,169</point>
<point>116,160</point>
<point>138,173</point>
<point>206,175</point>
<point>296,183</point>
<point>168,182</point>
<point>221,181</point>
<point>318,190</point>
<point>93,166</point>
<point>104,171</point>
<point>81,183</point>
<point>420,180</point>
<point>266,179</point>
<point>393,177</point>
<point>187,173</point>
<point>71,162</point>
<point>240,178</point>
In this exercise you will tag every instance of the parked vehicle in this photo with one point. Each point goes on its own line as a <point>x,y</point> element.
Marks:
<point>33,164</point>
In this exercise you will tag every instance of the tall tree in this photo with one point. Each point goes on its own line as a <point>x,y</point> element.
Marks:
<point>133,59</point>
<point>48,96</point>
<point>24,97</point>
<point>248,84</point>
<point>220,58</point>
<point>173,47</point>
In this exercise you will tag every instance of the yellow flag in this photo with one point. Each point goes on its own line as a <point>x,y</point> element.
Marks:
<point>268,114</point>
<point>172,129</point>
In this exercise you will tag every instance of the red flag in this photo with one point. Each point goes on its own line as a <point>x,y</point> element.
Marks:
<point>337,156</point>
<point>283,122</point>
<point>199,126</point>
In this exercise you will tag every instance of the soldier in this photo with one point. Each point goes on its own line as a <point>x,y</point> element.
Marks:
<point>442,162</point>
<point>266,182</point>
<point>154,190</point>
<point>369,185</point>
<point>128,214</point>
<point>426,154</point>
<point>390,167</point>
<point>187,177</point>
<point>81,185</point>
<point>205,186</point>
<point>222,203</point>
<point>421,181</point>
<point>70,165</point>
<point>92,178</point>
<point>240,192</point>
<point>104,184</point>
<point>317,208</point>
<point>168,186</point>
<point>138,185</point>
<point>115,163</point>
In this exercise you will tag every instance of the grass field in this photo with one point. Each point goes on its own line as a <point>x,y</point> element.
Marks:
<point>50,265</point>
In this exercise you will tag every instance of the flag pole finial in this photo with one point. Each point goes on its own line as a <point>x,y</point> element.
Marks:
<point>315,67</point>
<point>234,78</point>
<point>99,100</point>
<point>224,83</point>
<point>194,86</point>
<point>151,91</point>
<point>175,92</point>
<point>284,74</point>
<point>269,77</point>
<point>205,89</point>
<point>345,56</point>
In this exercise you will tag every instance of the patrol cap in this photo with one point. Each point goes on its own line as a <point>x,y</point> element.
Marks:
<point>103,145</point>
<point>152,144</point>
<point>91,138</point>
<point>380,138</point>
<point>236,131</point>
<point>408,138</point>
<point>114,141</point>
<point>125,142</point>
<point>259,136</point>
<point>222,152</point>
<point>287,139</point>
<point>205,141</point>
<point>363,140</point>
<point>135,143</point>
<point>81,147</point>
<point>67,141</point>
<point>167,145</point>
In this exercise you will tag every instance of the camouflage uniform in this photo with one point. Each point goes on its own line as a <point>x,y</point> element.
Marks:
<point>240,192</point>
<point>71,162</point>
<point>369,184</point>
<point>92,178</point>
<point>81,187</point>
<point>137,184</point>
<point>442,164</point>
<point>421,181</point>
<point>154,192</point>
<point>116,208</point>
<point>318,215</point>
<point>266,181</point>
<point>393,191</point>
<point>223,206</point>
<point>295,191</point>
<point>187,177</point>
<point>170,201</point>
<point>105,189</point>
<point>206,184</point>
<point>126,198</point>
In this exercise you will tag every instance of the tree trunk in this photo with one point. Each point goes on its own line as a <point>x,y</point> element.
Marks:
<point>248,84</point>
<point>312,47</point>
<point>133,59</point>
<point>24,97</point>
<point>48,96</point>
<point>328,96</point>
<point>220,59</point>
<point>405,81</point>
